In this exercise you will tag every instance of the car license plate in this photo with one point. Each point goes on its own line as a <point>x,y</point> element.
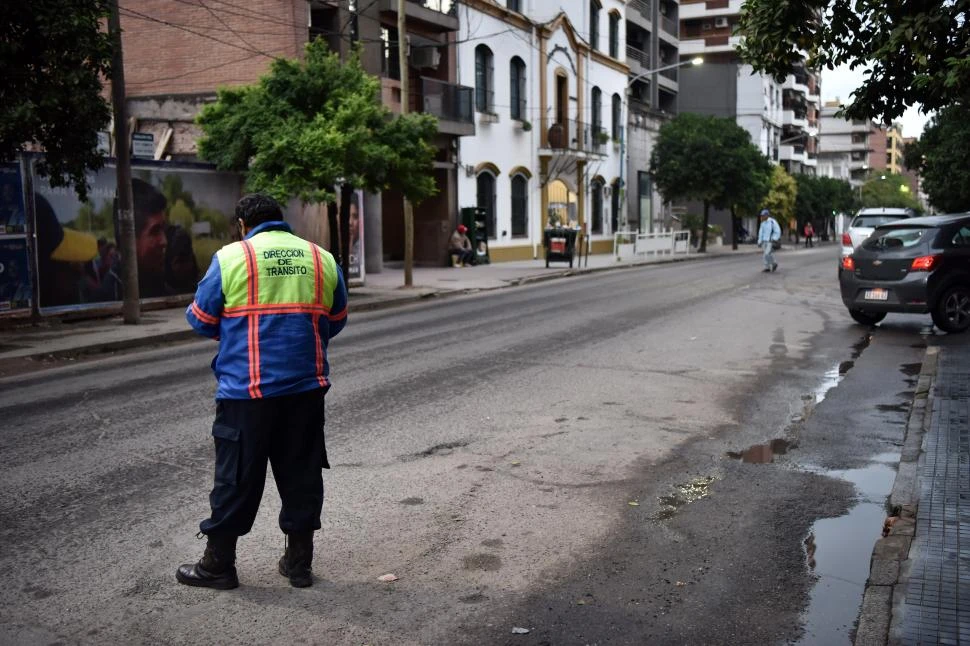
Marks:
<point>877,294</point>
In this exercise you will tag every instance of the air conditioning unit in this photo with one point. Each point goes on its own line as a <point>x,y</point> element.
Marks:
<point>720,22</point>
<point>425,57</point>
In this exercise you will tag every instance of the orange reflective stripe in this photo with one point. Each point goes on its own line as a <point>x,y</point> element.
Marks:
<point>338,317</point>
<point>252,279</point>
<point>274,308</point>
<point>318,301</point>
<point>202,315</point>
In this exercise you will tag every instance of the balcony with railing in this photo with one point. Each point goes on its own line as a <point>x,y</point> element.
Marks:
<point>637,58</point>
<point>642,9</point>
<point>670,26</point>
<point>569,135</point>
<point>452,104</point>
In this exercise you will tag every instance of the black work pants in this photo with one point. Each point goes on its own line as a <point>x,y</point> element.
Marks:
<point>288,432</point>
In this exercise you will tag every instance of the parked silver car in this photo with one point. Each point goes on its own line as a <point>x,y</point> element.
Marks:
<point>866,221</point>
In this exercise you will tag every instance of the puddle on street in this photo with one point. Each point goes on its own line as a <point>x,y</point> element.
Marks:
<point>762,453</point>
<point>684,494</point>
<point>838,551</point>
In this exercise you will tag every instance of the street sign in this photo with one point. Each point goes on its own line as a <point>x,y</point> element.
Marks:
<point>143,145</point>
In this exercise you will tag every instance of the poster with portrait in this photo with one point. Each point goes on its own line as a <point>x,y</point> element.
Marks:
<point>13,218</point>
<point>355,265</point>
<point>14,274</point>
<point>182,214</point>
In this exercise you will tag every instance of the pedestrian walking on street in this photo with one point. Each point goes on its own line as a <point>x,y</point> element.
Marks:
<point>273,301</point>
<point>768,234</point>
<point>809,235</point>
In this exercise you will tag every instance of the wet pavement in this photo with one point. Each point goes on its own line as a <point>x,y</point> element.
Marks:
<point>936,607</point>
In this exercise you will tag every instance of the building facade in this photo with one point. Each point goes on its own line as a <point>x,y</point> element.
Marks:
<point>177,54</point>
<point>887,149</point>
<point>653,42</point>
<point>549,109</point>
<point>845,147</point>
<point>782,118</point>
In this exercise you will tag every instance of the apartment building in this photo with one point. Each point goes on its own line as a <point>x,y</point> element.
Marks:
<point>178,53</point>
<point>887,149</point>
<point>652,44</point>
<point>845,148</point>
<point>549,110</point>
<point>782,118</point>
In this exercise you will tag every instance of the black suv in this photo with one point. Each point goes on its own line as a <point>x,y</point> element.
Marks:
<point>914,266</point>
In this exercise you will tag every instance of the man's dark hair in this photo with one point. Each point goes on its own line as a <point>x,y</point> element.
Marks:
<point>256,208</point>
<point>146,200</point>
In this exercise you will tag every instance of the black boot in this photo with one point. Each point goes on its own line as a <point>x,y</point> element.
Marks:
<point>217,567</point>
<point>296,560</point>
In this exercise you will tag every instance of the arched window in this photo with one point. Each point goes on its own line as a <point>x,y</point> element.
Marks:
<point>517,91</point>
<point>614,34</point>
<point>617,118</point>
<point>484,89</point>
<point>597,109</point>
<point>615,206</point>
<point>520,206</point>
<point>596,206</point>
<point>486,199</point>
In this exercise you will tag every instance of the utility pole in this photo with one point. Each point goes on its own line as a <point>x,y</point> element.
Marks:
<point>130,309</point>
<point>402,51</point>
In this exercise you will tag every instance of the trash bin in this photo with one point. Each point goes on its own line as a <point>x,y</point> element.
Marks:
<point>476,219</point>
<point>560,244</point>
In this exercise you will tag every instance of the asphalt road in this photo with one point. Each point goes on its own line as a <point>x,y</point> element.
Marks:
<point>569,457</point>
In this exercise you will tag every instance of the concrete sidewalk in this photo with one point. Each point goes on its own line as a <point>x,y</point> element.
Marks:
<point>55,338</point>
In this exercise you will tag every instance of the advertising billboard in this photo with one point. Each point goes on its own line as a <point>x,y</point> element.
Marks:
<point>182,216</point>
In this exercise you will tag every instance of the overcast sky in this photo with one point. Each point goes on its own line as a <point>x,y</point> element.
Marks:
<point>839,83</point>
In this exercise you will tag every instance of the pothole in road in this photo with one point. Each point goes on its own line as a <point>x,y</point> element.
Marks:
<point>763,453</point>
<point>684,494</point>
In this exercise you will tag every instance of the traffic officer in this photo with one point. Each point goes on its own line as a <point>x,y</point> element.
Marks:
<point>273,301</point>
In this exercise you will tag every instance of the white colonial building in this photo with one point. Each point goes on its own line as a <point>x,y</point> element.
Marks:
<point>549,81</point>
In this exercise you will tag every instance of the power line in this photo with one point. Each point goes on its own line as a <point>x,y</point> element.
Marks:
<point>138,14</point>
<point>225,24</point>
<point>192,72</point>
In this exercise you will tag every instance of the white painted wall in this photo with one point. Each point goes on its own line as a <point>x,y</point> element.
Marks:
<point>504,143</point>
<point>759,108</point>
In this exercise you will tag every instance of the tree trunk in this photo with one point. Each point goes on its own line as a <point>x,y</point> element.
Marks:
<point>346,195</point>
<point>334,231</point>
<point>707,217</point>
<point>734,229</point>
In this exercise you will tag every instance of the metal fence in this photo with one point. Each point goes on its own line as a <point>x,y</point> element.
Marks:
<point>630,245</point>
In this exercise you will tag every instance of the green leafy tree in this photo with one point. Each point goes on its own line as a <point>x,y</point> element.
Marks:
<point>310,125</point>
<point>181,214</point>
<point>781,196</point>
<point>915,52</point>
<point>53,57</point>
<point>820,198</point>
<point>705,158</point>
<point>890,190</point>
<point>942,158</point>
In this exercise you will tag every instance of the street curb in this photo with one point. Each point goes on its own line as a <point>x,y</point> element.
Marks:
<point>405,298</point>
<point>880,618</point>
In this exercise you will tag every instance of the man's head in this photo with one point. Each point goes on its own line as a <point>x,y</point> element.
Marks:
<point>462,229</point>
<point>150,240</point>
<point>256,208</point>
<point>764,214</point>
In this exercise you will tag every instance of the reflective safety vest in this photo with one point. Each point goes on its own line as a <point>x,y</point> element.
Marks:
<point>273,301</point>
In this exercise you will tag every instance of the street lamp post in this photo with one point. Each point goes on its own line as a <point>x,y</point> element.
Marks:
<point>697,60</point>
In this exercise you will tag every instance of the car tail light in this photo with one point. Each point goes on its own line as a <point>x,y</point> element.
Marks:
<point>925,263</point>
<point>848,263</point>
<point>846,240</point>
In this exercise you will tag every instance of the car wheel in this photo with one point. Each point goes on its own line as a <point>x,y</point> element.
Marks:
<point>952,311</point>
<point>866,318</point>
